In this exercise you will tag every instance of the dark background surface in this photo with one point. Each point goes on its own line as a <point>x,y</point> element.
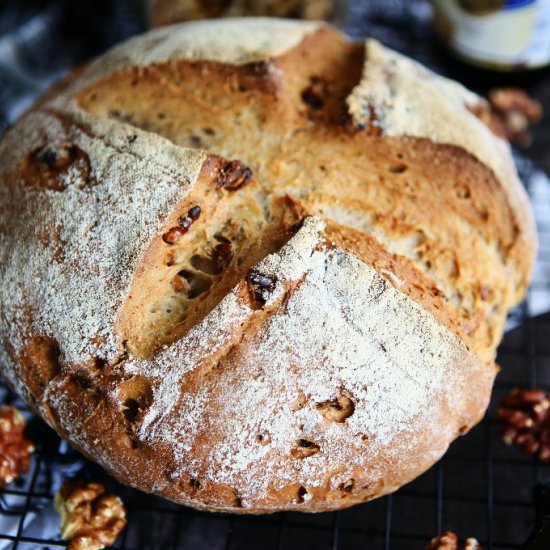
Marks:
<point>481,488</point>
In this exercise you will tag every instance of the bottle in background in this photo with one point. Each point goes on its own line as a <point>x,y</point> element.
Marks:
<point>506,35</point>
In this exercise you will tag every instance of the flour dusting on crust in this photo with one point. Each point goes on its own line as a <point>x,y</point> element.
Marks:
<point>385,350</point>
<point>75,299</point>
<point>235,41</point>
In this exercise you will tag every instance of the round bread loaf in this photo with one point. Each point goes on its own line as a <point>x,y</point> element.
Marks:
<point>251,266</point>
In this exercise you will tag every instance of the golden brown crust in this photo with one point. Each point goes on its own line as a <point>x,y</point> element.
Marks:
<point>235,294</point>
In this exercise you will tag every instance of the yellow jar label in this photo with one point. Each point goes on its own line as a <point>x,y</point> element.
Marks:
<point>512,33</point>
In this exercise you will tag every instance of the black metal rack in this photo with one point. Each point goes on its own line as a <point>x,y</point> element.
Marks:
<point>481,488</point>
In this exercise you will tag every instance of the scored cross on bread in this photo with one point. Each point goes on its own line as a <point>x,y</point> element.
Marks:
<point>267,268</point>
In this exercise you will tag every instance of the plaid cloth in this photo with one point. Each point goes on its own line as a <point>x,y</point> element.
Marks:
<point>41,40</point>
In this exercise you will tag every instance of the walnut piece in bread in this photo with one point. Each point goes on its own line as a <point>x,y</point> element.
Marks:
<point>269,269</point>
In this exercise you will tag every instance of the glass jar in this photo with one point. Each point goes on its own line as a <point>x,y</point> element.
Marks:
<point>506,35</point>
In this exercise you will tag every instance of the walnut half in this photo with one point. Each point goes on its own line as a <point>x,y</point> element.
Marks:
<point>449,541</point>
<point>15,450</point>
<point>513,111</point>
<point>525,415</point>
<point>90,519</point>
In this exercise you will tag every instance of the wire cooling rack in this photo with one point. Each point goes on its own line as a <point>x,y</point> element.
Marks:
<point>481,488</point>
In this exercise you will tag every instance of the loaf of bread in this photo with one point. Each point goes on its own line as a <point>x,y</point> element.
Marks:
<point>251,266</point>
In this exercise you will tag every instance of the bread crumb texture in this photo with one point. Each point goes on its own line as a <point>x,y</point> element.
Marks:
<point>251,266</point>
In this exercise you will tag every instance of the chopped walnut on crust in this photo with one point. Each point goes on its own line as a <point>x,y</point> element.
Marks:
<point>512,112</point>
<point>90,519</point>
<point>526,419</point>
<point>15,450</point>
<point>449,541</point>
